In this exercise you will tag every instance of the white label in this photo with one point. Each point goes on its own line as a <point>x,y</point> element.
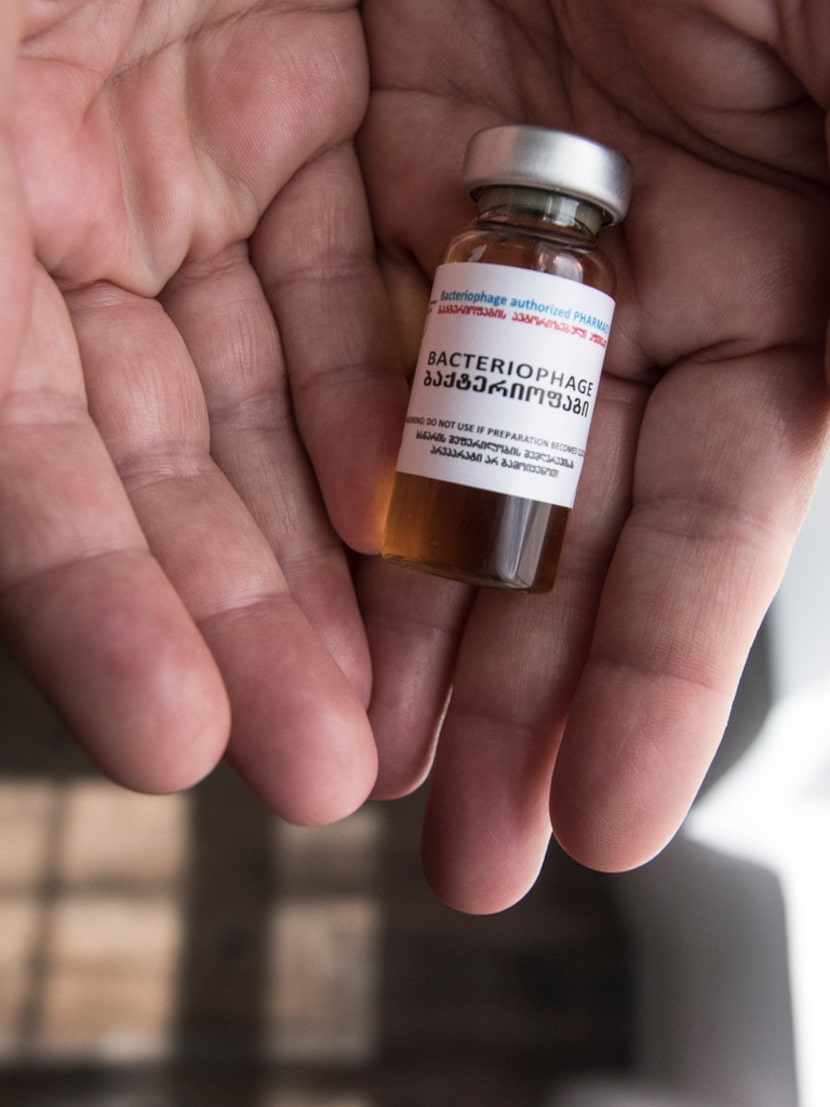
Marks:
<point>506,381</point>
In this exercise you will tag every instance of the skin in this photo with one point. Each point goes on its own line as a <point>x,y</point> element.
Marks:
<point>596,710</point>
<point>203,288</point>
<point>169,574</point>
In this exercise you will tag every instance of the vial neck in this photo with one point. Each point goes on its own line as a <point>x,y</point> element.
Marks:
<point>539,210</point>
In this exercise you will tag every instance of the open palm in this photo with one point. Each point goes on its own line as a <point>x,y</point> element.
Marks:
<point>600,706</point>
<point>200,396</point>
<point>194,209</point>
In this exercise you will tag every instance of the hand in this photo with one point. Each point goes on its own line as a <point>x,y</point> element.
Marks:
<point>600,706</point>
<point>183,223</point>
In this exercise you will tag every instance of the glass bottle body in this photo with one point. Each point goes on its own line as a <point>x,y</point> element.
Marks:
<point>477,535</point>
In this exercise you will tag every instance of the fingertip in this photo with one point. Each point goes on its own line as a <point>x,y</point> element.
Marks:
<point>335,785</point>
<point>168,730</point>
<point>476,864</point>
<point>301,737</point>
<point>358,489</point>
<point>478,890</point>
<point>476,901</point>
<point>181,739</point>
<point>609,823</point>
<point>405,736</point>
<point>606,848</point>
<point>615,807</point>
<point>113,649</point>
<point>397,783</point>
<point>413,624</point>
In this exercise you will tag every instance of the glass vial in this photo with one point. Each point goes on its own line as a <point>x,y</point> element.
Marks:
<point>508,371</point>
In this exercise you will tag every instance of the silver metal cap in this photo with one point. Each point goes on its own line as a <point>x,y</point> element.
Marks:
<point>535,157</point>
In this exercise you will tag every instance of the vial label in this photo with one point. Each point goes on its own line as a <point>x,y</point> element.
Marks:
<point>506,381</point>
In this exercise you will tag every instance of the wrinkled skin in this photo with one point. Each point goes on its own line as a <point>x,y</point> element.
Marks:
<point>171,516</point>
<point>199,222</point>
<point>711,426</point>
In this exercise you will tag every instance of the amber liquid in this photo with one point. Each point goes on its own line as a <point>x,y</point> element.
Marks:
<point>470,534</point>
<point>474,535</point>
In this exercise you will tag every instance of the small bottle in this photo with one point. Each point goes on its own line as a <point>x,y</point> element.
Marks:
<point>509,365</point>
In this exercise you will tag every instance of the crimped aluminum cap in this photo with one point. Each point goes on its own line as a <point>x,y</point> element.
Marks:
<point>536,157</point>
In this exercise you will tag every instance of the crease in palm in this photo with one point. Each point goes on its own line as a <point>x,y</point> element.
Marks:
<point>195,167</point>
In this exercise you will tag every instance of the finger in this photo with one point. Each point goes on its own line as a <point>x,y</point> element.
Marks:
<point>220,311</point>
<point>413,621</point>
<point>732,450</point>
<point>299,735</point>
<point>85,607</point>
<point>16,266</point>
<point>487,825</point>
<point>315,254</point>
<point>414,624</point>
